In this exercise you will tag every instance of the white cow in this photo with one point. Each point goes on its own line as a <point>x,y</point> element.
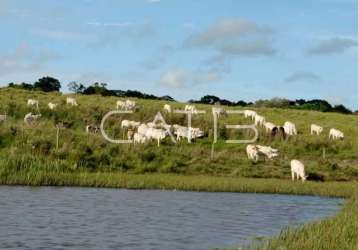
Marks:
<point>252,152</point>
<point>33,102</point>
<point>120,104</point>
<point>126,105</point>
<point>127,124</point>
<point>267,151</point>
<point>92,129</point>
<point>290,128</point>
<point>156,134</point>
<point>158,125</point>
<point>298,169</point>
<point>71,101</point>
<point>191,108</point>
<point>167,108</point>
<point>52,106</point>
<point>259,120</point>
<point>250,114</point>
<point>130,134</point>
<point>218,111</point>
<point>30,118</point>
<point>142,129</point>
<point>269,126</point>
<point>139,138</point>
<point>315,129</point>
<point>131,105</point>
<point>151,124</point>
<point>183,132</point>
<point>3,117</point>
<point>335,134</point>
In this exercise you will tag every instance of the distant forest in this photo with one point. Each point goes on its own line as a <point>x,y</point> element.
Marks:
<point>50,84</point>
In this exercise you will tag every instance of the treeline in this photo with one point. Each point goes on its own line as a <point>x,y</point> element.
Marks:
<point>101,89</point>
<point>50,84</point>
<point>211,99</point>
<point>316,104</point>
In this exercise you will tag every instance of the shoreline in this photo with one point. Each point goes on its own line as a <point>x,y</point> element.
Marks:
<point>198,183</point>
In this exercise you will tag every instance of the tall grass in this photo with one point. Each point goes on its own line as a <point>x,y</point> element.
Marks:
<point>79,151</point>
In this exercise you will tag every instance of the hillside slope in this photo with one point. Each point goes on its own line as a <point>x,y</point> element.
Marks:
<point>33,148</point>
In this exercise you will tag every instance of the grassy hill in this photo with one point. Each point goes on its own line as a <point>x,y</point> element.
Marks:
<point>25,148</point>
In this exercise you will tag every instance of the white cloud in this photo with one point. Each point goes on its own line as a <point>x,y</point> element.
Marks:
<point>112,34</point>
<point>303,76</point>
<point>110,24</point>
<point>336,45</point>
<point>25,59</point>
<point>159,57</point>
<point>180,78</point>
<point>61,35</point>
<point>234,37</point>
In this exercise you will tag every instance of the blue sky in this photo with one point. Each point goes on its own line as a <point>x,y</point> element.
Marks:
<point>187,48</point>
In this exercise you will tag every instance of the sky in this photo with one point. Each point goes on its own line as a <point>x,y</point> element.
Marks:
<point>234,49</point>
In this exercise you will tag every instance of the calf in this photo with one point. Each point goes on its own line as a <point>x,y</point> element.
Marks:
<point>218,111</point>
<point>259,120</point>
<point>269,127</point>
<point>33,102</point>
<point>138,138</point>
<point>298,169</point>
<point>126,105</point>
<point>290,128</point>
<point>183,132</point>
<point>51,105</point>
<point>335,134</point>
<point>72,101</point>
<point>131,105</point>
<point>120,104</point>
<point>252,152</point>
<point>130,134</point>
<point>142,129</point>
<point>156,134</point>
<point>315,129</point>
<point>250,114</point>
<point>267,151</point>
<point>93,129</point>
<point>191,108</point>
<point>3,118</point>
<point>167,108</point>
<point>30,118</point>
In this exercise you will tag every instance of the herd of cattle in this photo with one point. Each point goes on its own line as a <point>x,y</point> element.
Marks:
<point>144,132</point>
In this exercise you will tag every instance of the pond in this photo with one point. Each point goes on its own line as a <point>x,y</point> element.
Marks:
<point>99,218</point>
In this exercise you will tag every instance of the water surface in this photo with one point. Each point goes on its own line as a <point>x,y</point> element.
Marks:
<point>92,218</point>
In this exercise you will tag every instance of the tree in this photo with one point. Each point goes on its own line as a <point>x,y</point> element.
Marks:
<point>76,87</point>
<point>48,84</point>
<point>209,99</point>
<point>23,85</point>
<point>341,109</point>
<point>99,89</point>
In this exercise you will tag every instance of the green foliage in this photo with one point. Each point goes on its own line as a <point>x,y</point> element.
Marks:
<point>47,84</point>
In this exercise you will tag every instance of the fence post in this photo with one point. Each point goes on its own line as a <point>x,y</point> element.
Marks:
<point>57,135</point>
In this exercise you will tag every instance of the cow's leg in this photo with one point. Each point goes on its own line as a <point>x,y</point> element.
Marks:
<point>293,175</point>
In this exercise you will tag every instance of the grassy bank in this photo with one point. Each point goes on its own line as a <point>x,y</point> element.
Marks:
<point>180,182</point>
<point>81,152</point>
